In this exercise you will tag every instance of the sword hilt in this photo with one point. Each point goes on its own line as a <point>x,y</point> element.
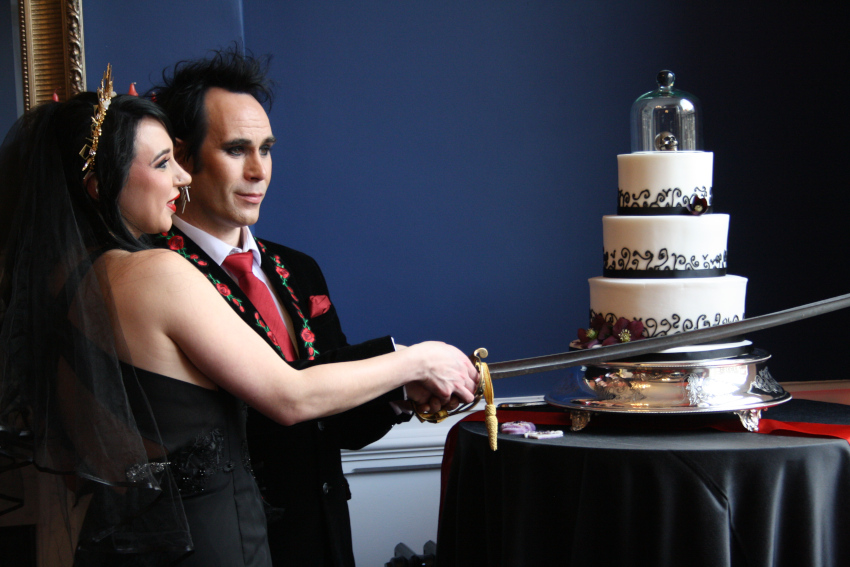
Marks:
<point>485,390</point>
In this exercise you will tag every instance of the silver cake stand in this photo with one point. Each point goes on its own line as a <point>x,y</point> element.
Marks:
<point>741,384</point>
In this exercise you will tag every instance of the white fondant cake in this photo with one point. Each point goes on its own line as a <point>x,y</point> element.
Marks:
<point>665,246</point>
<point>664,252</point>
<point>667,306</point>
<point>653,180</point>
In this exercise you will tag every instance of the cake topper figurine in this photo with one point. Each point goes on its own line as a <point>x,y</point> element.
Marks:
<point>666,142</point>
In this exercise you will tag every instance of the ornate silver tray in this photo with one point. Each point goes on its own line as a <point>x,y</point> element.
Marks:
<point>740,384</point>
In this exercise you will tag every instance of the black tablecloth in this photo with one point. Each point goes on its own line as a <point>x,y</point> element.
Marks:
<point>627,492</point>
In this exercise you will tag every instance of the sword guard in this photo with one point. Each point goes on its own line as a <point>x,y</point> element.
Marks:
<point>485,389</point>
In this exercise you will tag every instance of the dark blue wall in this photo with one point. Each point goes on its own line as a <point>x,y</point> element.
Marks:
<point>448,163</point>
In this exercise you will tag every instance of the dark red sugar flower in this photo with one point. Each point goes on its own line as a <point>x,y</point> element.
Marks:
<point>595,334</point>
<point>698,205</point>
<point>625,330</point>
<point>587,338</point>
<point>603,333</point>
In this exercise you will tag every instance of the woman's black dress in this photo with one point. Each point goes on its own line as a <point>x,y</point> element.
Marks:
<point>204,433</point>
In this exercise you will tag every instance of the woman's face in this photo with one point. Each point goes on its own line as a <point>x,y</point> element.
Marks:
<point>147,200</point>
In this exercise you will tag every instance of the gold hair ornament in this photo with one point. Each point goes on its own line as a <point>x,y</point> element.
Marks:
<point>104,98</point>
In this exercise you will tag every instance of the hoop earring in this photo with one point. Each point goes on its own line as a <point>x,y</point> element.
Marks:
<point>184,194</point>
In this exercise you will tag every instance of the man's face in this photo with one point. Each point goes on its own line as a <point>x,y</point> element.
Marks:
<point>235,166</point>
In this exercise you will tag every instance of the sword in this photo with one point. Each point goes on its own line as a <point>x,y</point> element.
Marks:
<point>620,351</point>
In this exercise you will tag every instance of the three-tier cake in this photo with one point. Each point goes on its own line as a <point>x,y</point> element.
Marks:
<point>664,252</point>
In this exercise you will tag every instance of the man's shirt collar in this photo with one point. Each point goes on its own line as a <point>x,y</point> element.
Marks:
<point>217,249</point>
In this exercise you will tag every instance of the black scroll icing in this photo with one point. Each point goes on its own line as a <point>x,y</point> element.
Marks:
<point>634,264</point>
<point>672,201</point>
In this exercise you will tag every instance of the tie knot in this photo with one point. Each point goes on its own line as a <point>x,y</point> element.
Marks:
<point>240,263</point>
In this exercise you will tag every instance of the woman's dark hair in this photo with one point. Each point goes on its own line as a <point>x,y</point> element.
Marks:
<point>43,149</point>
<point>182,94</point>
<point>115,154</point>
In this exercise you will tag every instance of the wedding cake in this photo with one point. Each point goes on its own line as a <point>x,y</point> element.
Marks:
<point>664,252</point>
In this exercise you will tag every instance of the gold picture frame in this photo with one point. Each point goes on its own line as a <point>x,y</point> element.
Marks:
<point>52,53</point>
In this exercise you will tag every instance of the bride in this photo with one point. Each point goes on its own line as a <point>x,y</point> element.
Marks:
<point>123,372</point>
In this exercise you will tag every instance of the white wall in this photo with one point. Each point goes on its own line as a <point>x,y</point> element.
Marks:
<point>395,487</point>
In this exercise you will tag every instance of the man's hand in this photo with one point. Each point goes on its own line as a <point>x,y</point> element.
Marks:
<point>416,391</point>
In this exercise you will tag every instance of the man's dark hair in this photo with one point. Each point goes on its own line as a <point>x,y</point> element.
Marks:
<point>184,89</point>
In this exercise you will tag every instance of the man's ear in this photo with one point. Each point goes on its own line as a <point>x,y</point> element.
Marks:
<point>180,150</point>
<point>92,187</point>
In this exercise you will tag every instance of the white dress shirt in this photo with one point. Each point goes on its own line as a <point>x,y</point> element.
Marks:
<point>218,250</point>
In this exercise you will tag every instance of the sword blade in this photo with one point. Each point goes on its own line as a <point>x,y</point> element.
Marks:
<point>645,346</point>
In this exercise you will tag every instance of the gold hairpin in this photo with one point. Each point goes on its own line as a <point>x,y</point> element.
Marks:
<point>104,97</point>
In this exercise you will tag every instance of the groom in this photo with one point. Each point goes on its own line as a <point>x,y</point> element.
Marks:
<point>224,140</point>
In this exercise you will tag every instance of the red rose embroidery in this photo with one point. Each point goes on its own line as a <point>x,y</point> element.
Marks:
<point>222,289</point>
<point>272,338</point>
<point>175,242</point>
<point>282,271</point>
<point>310,351</point>
<point>201,263</point>
<point>193,257</point>
<point>308,336</point>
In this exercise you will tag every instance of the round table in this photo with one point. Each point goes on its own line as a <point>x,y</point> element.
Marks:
<point>628,492</point>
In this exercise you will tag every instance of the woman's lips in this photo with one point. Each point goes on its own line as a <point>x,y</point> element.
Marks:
<point>172,204</point>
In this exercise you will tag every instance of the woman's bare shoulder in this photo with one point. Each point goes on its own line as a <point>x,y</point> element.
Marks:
<point>158,266</point>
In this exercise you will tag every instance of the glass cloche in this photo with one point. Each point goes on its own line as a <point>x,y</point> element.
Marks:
<point>666,119</point>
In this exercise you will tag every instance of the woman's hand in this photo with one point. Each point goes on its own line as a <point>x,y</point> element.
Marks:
<point>445,377</point>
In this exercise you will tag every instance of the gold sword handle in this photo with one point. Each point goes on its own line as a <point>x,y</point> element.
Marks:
<point>490,419</point>
<point>485,389</point>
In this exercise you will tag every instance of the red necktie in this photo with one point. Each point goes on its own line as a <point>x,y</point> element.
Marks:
<point>240,265</point>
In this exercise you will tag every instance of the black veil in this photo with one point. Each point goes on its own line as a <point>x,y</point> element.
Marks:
<point>64,411</point>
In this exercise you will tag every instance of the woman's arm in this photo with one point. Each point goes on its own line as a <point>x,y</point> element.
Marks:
<point>176,323</point>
